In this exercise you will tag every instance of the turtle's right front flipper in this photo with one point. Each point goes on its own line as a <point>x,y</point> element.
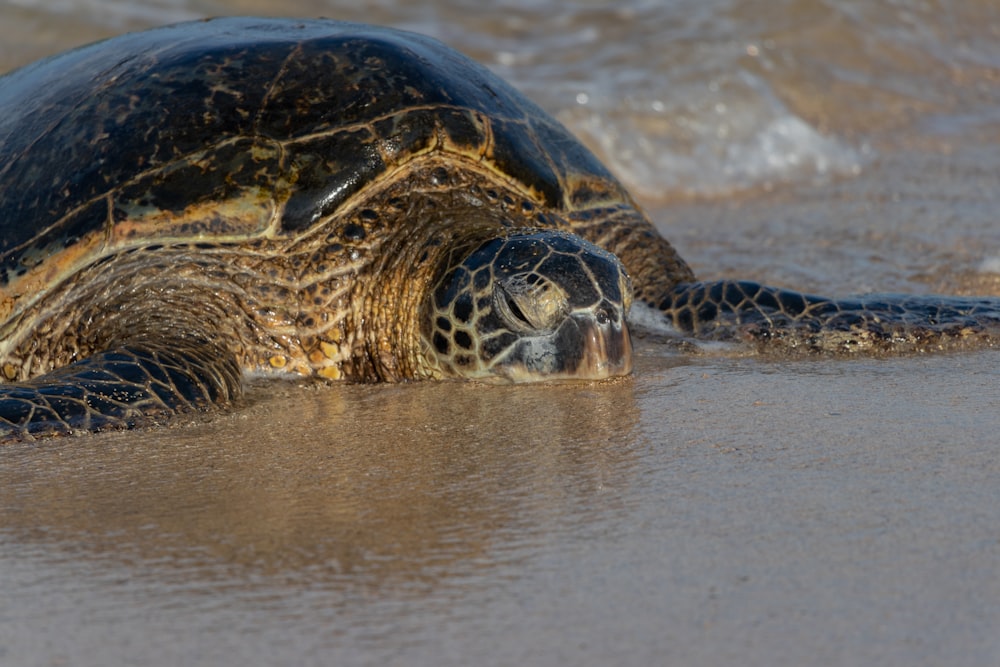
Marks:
<point>122,388</point>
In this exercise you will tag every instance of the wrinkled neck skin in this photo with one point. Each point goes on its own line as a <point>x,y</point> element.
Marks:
<point>149,297</point>
<point>393,299</point>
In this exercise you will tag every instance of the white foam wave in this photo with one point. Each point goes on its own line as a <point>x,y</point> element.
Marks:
<point>651,320</point>
<point>989,265</point>
<point>712,140</point>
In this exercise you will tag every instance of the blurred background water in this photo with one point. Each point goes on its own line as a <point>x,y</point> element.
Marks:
<point>710,510</point>
<point>685,97</point>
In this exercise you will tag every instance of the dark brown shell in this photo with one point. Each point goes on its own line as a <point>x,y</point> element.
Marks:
<point>228,130</point>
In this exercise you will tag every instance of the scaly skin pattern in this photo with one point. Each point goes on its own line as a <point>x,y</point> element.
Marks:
<point>795,323</point>
<point>187,205</point>
<point>121,388</point>
<point>569,296</point>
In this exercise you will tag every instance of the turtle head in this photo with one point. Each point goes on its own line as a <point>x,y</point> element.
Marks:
<point>531,306</point>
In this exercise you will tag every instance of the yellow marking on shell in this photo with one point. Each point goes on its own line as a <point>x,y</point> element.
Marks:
<point>9,371</point>
<point>317,357</point>
<point>221,221</point>
<point>278,361</point>
<point>39,279</point>
<point>330,372</point>
<point>234,220</point>
<point>329,350</point>
<point>7,303</point>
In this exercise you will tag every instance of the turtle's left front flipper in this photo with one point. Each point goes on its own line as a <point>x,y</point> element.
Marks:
<point>121,388</point>
<point>791,321</point>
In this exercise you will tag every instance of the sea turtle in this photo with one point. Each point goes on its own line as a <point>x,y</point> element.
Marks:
<point>186,206</point>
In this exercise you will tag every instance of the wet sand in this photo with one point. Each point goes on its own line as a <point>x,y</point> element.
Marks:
<point>707,511</point>
<point>713,509</point>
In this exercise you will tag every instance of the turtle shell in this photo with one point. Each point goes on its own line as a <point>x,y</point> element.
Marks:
<point>228,130</point>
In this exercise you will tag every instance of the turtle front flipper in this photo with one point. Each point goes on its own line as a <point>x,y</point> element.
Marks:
<point>121,388</point>
<point>787,320</point>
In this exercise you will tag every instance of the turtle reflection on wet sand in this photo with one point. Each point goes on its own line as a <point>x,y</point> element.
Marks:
<point>190,205</point>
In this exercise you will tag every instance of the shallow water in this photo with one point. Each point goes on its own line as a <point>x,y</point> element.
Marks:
<point>711,509</point>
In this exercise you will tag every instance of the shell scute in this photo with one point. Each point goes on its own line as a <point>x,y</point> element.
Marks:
<point>332,168</point>
<point>412,132</point>
<point>227,171</point>
<point>224,192</point>
<point>466,132</point>
<point>515,152</point>
<point>350,76</point>
<point>585,181</point>
<point>89,222</point>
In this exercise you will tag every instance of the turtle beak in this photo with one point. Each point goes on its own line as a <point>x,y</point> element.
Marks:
<point>607,348</point>
<point>588,345</point>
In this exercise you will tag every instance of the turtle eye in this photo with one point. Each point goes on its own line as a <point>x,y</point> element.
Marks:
<point>510,311</point>
<point>530,306</point>
<point>515,311</point>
